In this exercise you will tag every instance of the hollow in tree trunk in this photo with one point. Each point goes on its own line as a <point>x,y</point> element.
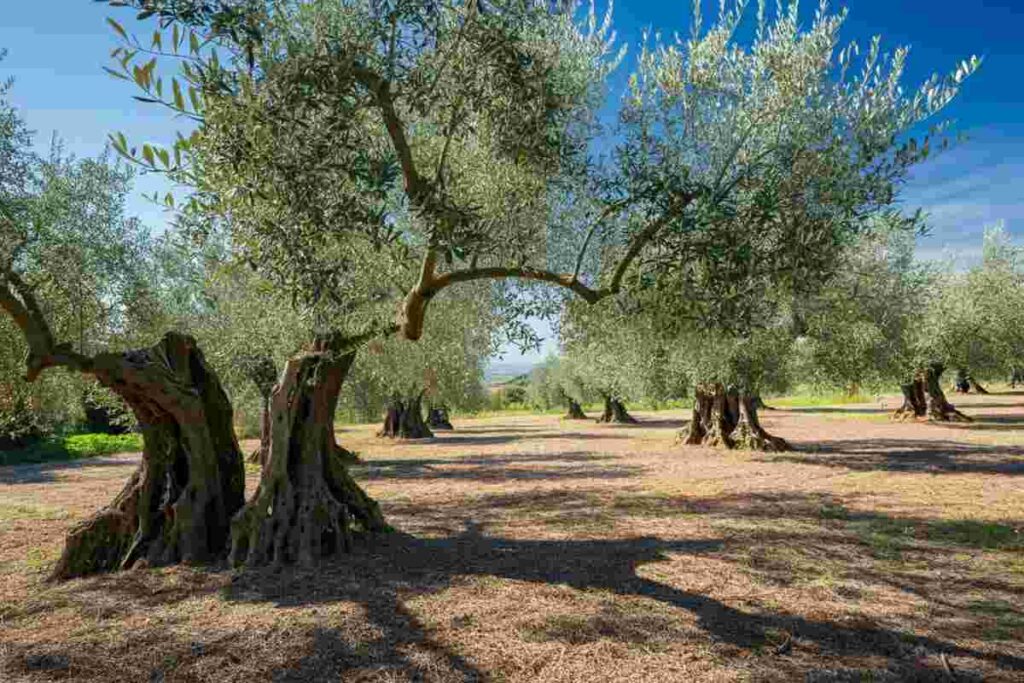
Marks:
<point>177,506</point>
<point>615,411</point>
<point>728,418</point>
<point>307,506</point>
<point>437,418</point>
<point>575,411</point>
<point>404,419</point>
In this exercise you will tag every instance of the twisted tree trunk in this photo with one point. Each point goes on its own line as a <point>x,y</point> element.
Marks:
<point>615,411</point>
<point>923,398</point>
<point>437,418</point>
<point>307,505</point>
<point>727,418</point>
<point>575,411</point>
<point>404,419</point>
<point>914,403</point>
<point>178,504</point>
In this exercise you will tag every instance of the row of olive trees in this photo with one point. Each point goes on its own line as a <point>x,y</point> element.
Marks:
<point>882,321</point>
<point>362,158</point>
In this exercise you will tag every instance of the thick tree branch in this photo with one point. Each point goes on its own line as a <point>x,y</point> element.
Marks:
<point>430,283</point>
<point>381,90</point>
<point>16,298</point>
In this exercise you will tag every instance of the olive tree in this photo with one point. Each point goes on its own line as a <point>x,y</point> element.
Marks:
<point>971,322</point>
<point>445,368</point>
<point>374,154</point>
<point>178,504</point>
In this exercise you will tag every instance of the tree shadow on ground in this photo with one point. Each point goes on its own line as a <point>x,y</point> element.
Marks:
<point>382,573</point>
<point>907,455</point>
<point>466,439</point>
<point>552,466</point>
<point>988,422</point>
<point>399,563</point>
<point>41,473</point>
<point>644,423</point>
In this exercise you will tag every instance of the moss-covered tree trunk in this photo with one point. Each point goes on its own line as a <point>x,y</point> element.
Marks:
<point>725,417</point>
<point>575,411</point>
<point>307,506</point>
<point>615,411</point>
<point>437,418</point>
<point>177,506</point>
<point>404,419</point>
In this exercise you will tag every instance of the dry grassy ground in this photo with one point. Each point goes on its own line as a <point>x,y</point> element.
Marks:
<point>530,549</point>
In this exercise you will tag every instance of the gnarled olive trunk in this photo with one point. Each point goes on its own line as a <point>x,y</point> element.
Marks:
<point>404,419</point>
<point>178,504</point>
<point>615,411</point>
<point>728,418</point>
<point>923,397</point>
<point>575,411</point>
<point>307,505</point>
<point>437,418</point>
<point>914,402</point>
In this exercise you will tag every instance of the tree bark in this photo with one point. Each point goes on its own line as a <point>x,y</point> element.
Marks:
<point>575,411</point>
<point>615,411</point>
<point>177,506</point>
<point>749,434</point>
<point>924,398</point>
<point>727,418</point>
<point>307,505</point>
<point>437,418</point>
<point>914,404</point>
<point>700,419</point>
<point>939,408</point>
<point>404,419</point>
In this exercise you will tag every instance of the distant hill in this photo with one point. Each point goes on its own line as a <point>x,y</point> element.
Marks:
<point>502,372</point>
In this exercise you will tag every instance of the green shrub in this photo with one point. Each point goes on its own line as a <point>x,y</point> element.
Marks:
<point>72,447</point>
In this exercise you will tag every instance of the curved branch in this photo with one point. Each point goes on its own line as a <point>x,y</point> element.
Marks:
<point>43,352</point>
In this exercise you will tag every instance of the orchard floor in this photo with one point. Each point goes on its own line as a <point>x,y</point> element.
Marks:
<point>532,549</point>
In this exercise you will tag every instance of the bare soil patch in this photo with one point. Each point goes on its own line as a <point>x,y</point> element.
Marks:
<point>532,549</point>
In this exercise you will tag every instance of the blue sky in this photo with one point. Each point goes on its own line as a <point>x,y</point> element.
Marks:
<point>56,57</point>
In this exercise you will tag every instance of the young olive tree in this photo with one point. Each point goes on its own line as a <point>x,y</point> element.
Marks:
<point>373,154</point>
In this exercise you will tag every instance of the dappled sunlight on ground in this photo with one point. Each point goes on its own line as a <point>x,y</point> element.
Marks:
<point>536,549</point>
